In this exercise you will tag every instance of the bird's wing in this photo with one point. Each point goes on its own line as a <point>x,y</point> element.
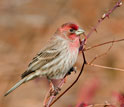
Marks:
<point>43,57</point>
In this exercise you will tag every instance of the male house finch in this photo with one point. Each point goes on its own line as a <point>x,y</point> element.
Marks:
<point>57,58</point>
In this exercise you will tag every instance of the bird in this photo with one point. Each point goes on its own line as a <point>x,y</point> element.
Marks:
<point>57,58</point>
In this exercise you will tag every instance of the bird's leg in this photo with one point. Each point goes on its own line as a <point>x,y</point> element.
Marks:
<point>55,87</point>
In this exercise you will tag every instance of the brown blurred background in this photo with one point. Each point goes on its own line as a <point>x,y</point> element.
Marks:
<point>27,25</point>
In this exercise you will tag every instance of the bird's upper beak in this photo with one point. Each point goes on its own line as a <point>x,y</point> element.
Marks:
<point>79,31</point>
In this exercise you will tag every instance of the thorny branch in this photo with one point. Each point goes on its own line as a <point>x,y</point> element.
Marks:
<point>104,16</point>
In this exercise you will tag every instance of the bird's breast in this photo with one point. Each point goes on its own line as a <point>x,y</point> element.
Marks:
<point>74,45</point>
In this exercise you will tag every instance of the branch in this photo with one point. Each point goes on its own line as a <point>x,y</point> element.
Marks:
<point>104,16</point>
<point>105,43</point>
<point>100,55</point>
<point>106,67</point>
<point>51,94</point>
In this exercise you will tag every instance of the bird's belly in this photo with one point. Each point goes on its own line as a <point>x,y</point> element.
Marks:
<point>63,66</point>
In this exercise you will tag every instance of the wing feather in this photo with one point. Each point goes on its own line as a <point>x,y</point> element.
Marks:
<point>48,54</point>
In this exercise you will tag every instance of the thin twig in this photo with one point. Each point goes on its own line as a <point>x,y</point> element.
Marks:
<point>47,97</point>
<point>101,55</point>
<point>100,105</point>
<point>104,16</point>
<point>106,104</point>
<point>105,43</point>
<point>100,66</point>
<point>106,67</point>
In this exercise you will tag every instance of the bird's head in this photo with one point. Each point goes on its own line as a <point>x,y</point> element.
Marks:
<point>70,31</point>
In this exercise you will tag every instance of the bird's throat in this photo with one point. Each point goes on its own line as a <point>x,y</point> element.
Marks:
<point>74,45</point>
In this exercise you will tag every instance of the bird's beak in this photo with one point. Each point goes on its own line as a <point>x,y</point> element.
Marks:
<point>79,31</point>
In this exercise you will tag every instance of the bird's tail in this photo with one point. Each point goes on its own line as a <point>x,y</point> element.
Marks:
<point>25,79</point>
<point>15,86</point>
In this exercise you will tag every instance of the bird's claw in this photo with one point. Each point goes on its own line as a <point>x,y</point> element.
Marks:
<point>55,91</point>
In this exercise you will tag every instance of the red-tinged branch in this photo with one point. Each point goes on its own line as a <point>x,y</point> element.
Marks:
<point>106,67</point>
<point>100,55</point>
<point>104,16</point>
<point>101,105</point>
<point>113,41</point>
<point>51,95</point>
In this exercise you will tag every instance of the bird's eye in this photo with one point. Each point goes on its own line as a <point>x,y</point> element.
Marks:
<point>72,30</point>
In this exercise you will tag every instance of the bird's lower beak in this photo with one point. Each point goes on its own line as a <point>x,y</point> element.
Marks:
<point>79,31</point>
